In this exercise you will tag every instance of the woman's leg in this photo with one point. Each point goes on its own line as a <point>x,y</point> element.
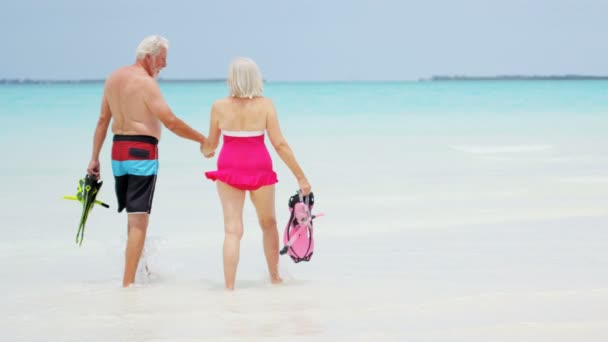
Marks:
<point>263,201</point>
<point>232,206</point>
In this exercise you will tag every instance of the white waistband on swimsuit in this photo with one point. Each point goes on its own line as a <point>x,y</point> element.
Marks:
<point>242,133</point>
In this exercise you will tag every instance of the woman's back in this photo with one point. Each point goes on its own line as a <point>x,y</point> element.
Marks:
<point>242,114</point>
<point>244,161</point>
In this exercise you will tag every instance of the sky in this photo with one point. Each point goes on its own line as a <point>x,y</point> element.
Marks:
<point>316,40</point>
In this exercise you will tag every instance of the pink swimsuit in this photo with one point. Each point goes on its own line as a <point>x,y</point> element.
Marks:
<point>244,161</point>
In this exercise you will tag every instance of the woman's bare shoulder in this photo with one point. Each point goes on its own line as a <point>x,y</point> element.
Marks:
<point>266,103</point>
<point>222,102</point>
<point>265,100</point>
<point>221,105</point>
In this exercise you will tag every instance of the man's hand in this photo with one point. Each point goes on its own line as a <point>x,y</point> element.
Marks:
<point>94,169</point>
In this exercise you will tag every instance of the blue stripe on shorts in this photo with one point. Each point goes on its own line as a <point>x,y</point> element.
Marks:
<point>135,167</point>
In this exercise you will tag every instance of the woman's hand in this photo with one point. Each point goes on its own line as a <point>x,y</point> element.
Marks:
<point>304,186</point>
<point>207,152</point>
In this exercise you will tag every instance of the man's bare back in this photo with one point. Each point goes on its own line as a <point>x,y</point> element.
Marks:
<point>125,92</point>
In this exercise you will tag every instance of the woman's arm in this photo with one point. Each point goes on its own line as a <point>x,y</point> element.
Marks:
<point>208,148</point>
<point>283,150</point>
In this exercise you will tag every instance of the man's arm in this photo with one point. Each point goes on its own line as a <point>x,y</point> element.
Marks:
<point>99,137</point>
<point>157,105</point>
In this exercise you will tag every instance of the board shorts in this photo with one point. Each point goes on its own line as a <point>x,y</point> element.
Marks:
<point>135,166</point>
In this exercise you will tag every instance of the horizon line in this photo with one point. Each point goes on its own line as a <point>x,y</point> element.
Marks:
<point>26,80</point>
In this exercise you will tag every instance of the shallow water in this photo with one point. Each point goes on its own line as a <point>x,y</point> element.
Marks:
<point>455,211</point>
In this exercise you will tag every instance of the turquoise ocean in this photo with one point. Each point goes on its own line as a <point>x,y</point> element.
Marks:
<point>455,211</point>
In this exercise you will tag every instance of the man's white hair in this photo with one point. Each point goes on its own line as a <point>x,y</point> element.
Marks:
<point>151,45</point>
<point>244,78</point>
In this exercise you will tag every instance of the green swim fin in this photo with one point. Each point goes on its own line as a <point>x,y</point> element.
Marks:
<point>88,188</point>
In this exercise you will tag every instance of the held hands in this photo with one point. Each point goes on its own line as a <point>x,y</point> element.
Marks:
<point>206,151</point>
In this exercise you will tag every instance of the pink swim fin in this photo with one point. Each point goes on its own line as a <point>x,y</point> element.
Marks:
<point>298,236</point>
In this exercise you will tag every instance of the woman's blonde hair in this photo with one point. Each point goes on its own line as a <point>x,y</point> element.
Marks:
<point>245,78</point>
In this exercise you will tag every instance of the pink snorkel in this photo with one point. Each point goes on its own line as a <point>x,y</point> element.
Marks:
<point>299,234</point>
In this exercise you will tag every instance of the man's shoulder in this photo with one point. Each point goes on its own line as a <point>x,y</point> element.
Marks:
<point>128,74</point>
<point>119,73</point>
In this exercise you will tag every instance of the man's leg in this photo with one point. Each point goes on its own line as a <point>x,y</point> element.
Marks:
<point>138,225</point>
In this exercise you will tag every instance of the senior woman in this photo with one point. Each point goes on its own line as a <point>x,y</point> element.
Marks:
<point>244,163</point>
